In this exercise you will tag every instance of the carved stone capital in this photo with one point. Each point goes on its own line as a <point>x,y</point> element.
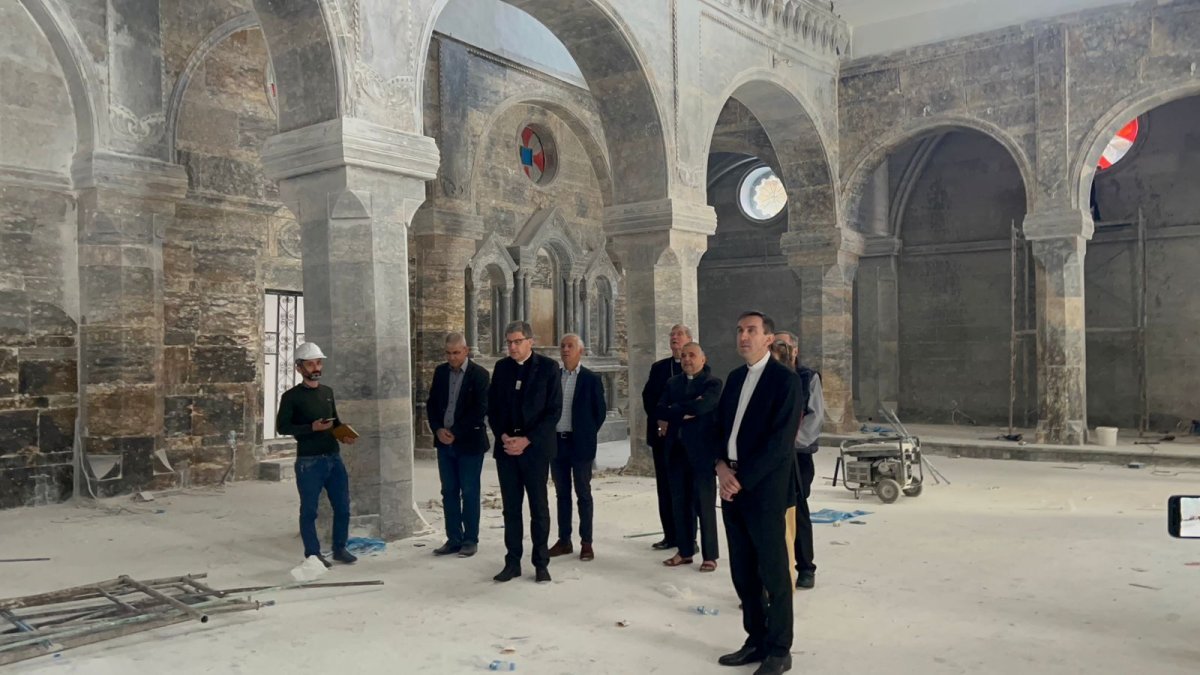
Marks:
<point>350,142</point>
<point>448,223</point>
<point>659,216</point>
<point>1058,224</point>
<point>129,175</point>
<point>813,248</point>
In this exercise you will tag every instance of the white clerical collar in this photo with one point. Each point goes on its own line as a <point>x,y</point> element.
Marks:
<point>521,363</point>
<point>691,377</point>
<point>762,363</point>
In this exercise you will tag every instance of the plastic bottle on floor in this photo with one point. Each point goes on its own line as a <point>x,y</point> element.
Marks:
<point>709,611</point>
<point>502,665</point>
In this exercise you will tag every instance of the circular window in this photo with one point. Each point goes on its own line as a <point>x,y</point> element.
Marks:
<point>536,153</point>
<point>762,195</point>
<point>1120,145</point>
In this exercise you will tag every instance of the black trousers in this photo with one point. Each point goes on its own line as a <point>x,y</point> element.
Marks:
<point>662,482</point>
<point>758,563</point>
<point>566,470</point>
<point>521,476</point>
<point>693,498</point>
<point>804,528</point>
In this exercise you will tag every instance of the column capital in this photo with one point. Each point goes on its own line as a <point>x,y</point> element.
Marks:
<point>881,247</point>
<point>130,175</point>
<point>658,216</point>
<point>448,222</point>
<point>1058,224</point>
<point>815,248</point>
<point>348,141</point>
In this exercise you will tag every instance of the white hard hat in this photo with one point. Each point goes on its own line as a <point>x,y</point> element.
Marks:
<point>309,351</point>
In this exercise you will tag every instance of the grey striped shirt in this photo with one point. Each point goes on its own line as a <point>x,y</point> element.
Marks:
<point>569,378</point>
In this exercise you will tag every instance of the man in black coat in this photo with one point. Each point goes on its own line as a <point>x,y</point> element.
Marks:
<point>583,412</point>
<point>687,414</point>
<point>660,372</point>
<point>524,404</point>
<point>757,419</point>
<point>455,410</point>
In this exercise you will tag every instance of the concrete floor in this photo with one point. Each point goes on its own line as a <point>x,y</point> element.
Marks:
<point>1015,567</point>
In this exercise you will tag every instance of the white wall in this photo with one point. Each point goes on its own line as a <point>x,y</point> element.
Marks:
<point>503,29</point>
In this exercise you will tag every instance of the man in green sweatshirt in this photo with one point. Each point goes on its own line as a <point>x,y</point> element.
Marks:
<point>307,412</point>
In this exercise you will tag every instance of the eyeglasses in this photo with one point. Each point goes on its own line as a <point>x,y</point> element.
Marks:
<point>512,343</point>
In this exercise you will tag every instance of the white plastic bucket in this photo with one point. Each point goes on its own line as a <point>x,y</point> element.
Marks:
<point>1106,436</point>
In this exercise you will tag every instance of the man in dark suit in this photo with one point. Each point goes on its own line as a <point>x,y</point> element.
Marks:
<point>660,372</point>
<point>757,418</point>
<point>687,417</point>
<point>583,412</point>
<point>524,404</point>
<point>455,410</point>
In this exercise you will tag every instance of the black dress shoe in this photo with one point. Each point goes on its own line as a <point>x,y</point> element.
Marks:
<point>509,573</point>
<point>747,654</point>
<point>345,557</point>
<point>543,575</point>
<point>774,665</point>
<point>447,549</point>
<point>468,550</point>
<point>662,545</point>
<point>806,580</point>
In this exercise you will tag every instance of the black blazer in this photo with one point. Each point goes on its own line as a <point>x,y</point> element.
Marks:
<point>534,408</point>
<point>766,456</point>
<point>469,410</point>
<point>660,372</point>
<point>699,397</point>
<point>588,412</point>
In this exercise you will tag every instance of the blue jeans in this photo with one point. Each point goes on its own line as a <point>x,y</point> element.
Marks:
<point>328,473</point>
<point>460,473</point>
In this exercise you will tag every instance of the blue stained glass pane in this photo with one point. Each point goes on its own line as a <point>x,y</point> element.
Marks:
<point>527,156</point>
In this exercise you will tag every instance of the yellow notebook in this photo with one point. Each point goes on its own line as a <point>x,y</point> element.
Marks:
<point>344,432</point>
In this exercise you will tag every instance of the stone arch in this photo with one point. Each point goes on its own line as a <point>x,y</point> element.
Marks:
<point>548,229</point>
<point>861,168</point>
<point>72,53</point>
<point>800,147</point>
<point>576,120</point>
<point>307,59</point>
<point>493,268</point>
<point>491,255</point>
<point>242,22</point>
<point>1087,155</point>
<point>630,110</point>
<point>602,283</point>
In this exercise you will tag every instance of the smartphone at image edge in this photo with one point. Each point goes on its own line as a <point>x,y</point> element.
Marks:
<point>1183,516</point>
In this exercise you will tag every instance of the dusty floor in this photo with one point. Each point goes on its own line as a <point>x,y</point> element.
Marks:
<point>1015,567</point>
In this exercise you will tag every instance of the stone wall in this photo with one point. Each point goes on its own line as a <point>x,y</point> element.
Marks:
<point>1156,179</point>
<point>231,240</point>
<point>39,281</point>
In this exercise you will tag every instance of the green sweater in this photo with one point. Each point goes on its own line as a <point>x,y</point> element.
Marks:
<point>299,407</point>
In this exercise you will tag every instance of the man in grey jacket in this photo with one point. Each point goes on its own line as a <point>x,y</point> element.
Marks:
<point>813,406</point>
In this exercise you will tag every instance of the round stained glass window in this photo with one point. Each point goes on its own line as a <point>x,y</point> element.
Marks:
<point>762,196</point>
<point>1120,145</point>
<point>536,153</point>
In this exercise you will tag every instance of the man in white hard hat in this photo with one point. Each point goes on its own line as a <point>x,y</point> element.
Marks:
<point>307,412</point>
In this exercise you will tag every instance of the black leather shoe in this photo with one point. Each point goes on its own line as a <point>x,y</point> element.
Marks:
<point>747,654</point>
<point>662,545</point>
<point>774,665</point>
<point>345,557</point>
<point>509,573</point>
<point>447,549</point>
<point>543,575</point>
<point>468,550</point>
<point>806,580</point>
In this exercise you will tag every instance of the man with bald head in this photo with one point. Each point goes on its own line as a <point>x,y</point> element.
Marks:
<point>583,412</point>
<point>660,372</point>
<point>687,411</point>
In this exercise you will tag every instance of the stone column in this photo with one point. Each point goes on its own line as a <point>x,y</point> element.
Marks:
<point>124,207</point>
<point>354,187</point>
<point>877,328</point>
<point>505,314</point>
<point>826,262</point>
<point>658,245</point>
<point>1059,241</point>
<point>472,310</point>
<point>444,239</point>
<point>518,299</point>
<point>525,299</point>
